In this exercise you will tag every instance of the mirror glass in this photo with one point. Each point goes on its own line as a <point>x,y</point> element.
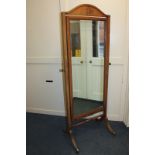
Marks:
<point>87,47</point>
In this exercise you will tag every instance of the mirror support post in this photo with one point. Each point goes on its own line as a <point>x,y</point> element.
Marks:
<point>106,74</point>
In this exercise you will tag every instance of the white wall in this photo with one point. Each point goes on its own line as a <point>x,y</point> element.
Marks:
<point>43,28</point>
<point>44,55</point>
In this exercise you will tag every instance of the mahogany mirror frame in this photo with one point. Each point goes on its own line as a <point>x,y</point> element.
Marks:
<point>83,12</point>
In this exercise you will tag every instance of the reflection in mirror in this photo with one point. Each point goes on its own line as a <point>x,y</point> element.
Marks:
<point>75,38</point>
<point>98,38</point>
<point>87,47</point>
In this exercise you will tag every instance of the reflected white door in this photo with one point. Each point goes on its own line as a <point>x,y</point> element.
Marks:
<point>87,68</point>
<point>78,59</point>
<point>95,61</point>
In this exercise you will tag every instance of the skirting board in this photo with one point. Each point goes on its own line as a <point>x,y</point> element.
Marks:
<point>62,113</point>
<point>45,111</point>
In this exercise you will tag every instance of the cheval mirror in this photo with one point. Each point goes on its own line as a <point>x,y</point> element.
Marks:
<point>86,36</point>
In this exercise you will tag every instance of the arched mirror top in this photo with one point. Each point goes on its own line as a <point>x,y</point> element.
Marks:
<point>86,10</point>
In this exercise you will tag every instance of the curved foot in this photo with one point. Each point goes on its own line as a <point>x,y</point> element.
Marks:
<point>110,129</point>
<point>73,141</point>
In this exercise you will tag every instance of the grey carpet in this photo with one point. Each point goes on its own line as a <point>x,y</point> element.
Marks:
<point>45,136</point>
<point>84,105</point>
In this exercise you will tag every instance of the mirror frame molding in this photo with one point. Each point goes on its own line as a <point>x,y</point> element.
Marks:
<point>83,12</point>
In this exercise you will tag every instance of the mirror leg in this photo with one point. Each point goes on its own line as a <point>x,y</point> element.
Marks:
<point>108,126</point>
<point>73,141</point>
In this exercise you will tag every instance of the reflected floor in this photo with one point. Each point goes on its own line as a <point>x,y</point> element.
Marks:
<point>85,105</point>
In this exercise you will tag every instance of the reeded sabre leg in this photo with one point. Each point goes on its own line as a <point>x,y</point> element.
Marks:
<point>108,126</point>
<point>73,141</point>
